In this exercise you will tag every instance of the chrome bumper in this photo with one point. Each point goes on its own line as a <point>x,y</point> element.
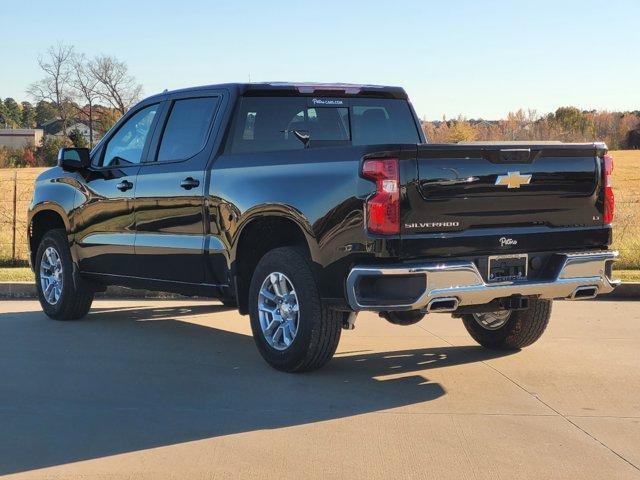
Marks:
<point>459,283</point>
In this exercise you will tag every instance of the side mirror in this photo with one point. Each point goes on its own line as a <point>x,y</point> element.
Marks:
<point>73,158</point>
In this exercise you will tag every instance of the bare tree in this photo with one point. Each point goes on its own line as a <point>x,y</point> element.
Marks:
<point>55,87</point>
<point>86,87</point>
<point>116,85</point>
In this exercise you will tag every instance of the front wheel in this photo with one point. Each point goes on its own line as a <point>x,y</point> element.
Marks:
<point>293,330</point>
<point>509,330</point>
<point>57,292</point>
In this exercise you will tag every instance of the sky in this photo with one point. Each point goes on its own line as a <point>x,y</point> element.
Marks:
<point>456,57</point>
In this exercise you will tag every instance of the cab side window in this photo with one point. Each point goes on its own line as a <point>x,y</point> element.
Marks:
<point>127,145</point>
<point>187,128</point>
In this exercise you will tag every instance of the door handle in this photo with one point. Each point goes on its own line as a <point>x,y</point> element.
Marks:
<point>189,183</point>
<point>124,185</point>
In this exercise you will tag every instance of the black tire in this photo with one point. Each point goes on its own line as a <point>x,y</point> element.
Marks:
<point>319,328</point>
<point>522,328</point>
<point>71,304</point>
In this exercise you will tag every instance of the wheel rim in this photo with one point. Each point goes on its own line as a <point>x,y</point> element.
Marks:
<point>279,310</point>
<point>51,275</point>
<point>492,320</point>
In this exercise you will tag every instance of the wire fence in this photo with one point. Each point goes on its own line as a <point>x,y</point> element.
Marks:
<point>16,190</point>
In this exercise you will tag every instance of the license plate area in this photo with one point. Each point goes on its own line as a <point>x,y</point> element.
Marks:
<point>507,268</point>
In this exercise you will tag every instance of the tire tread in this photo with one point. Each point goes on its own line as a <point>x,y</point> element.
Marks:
<point>524,327</point>
<point>327,324</point>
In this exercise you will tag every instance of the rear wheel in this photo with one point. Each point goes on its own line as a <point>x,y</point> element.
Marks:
<point>509,330</point>
<point>293,330</point>
<point>57,292</point>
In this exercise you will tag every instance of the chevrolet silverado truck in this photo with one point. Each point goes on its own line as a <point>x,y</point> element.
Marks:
<point>304,204</point>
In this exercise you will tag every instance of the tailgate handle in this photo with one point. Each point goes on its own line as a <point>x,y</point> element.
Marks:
<point>515,155</point>
<point>509,155</point>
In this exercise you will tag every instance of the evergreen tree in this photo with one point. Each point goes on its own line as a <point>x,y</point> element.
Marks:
<point>12,113</point>
<point>28,118</point>
<point>45,111</point>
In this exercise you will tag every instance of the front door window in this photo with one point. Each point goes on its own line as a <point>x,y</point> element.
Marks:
<point>126,146</point>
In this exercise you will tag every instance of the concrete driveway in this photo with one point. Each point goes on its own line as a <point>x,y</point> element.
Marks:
<point>168,389</point>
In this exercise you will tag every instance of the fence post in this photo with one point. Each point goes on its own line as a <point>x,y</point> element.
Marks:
<point>15,219</point>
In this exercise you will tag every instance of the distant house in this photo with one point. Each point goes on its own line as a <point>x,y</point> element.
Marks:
<point>54,128</point>
<point>19,137</point>
<point>484,123</point>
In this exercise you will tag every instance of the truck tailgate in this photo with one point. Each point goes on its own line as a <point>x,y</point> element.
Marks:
<point>547,195</point>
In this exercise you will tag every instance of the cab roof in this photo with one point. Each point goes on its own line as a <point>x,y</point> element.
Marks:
<point>305,89</point>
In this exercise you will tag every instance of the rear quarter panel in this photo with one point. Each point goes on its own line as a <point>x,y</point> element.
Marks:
<point>319,189</point>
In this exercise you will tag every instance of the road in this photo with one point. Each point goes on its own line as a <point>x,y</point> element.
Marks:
<point>175,389</point>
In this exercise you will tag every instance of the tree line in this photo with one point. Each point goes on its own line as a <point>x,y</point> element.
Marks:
<point>95,91</point>
<point>619,130</point>
<point>29,115</point>
<point>75,84</point>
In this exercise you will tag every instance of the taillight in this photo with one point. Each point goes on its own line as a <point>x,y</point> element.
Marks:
<point>609,202</point>
<point>383,207</point>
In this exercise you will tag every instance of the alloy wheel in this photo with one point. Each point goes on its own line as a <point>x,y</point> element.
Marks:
<point>492,320</point>
<point>279,310</point>
<point>51,279</point>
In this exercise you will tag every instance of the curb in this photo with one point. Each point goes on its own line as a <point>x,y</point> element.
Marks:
<point>25,290</point>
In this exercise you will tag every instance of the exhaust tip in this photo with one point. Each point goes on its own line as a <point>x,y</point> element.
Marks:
<point>448,304</point>
<point>584,293</point>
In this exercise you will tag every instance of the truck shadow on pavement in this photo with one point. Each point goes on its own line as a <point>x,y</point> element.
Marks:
<point>136,378</point>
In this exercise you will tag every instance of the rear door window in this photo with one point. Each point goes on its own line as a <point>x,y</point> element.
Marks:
<point>187,128</point>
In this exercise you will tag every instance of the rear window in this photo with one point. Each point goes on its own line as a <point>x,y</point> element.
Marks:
<point>287,123</point>
<point>382,121</point>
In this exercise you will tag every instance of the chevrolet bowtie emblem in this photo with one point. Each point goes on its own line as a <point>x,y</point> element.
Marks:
<point>513,179</point>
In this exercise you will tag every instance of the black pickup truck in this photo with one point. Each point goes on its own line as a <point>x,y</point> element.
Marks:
<point>303,204</point>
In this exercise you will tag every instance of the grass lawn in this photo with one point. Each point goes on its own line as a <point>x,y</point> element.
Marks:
<point>626,226</point>
<point>627,275</point>
<point>18,274</point>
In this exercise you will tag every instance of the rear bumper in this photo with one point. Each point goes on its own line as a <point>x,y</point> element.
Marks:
<point>449,285</point>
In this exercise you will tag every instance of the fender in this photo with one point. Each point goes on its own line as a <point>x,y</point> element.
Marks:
<point>54,191</point>
<point>49,206</point>
<point>55,194</point>
<point>275,210</point>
